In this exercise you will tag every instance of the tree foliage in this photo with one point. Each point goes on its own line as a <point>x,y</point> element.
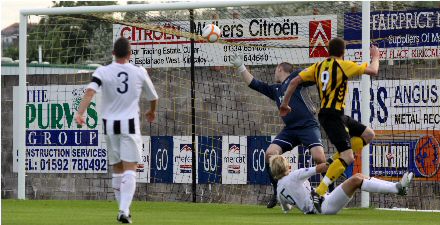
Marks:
<point>11,52</point>
<point>72,39</point>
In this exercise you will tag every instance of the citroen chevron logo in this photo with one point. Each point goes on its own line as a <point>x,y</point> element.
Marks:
<point>319,38</point>
<point>320,35</point>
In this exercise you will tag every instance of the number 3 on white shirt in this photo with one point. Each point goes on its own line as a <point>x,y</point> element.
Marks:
<point>325,77</point>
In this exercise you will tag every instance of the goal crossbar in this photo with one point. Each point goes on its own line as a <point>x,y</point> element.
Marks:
<point>146,7</point>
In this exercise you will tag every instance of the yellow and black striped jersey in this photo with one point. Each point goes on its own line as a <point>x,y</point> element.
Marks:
<point>331,76</point>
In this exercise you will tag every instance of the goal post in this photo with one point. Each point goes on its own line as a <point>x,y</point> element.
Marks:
<point>365,103</point>
<point>21,126</point>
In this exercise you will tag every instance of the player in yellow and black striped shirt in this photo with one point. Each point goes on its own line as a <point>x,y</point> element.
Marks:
<point>330,77</point>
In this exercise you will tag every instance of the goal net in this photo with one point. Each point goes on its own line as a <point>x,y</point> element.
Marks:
<point>209,110</point>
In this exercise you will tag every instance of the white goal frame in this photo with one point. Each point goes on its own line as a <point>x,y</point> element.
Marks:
<point>21,104</point>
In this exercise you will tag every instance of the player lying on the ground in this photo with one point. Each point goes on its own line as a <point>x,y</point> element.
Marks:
<point>301,125</point>
<point>294,188</point>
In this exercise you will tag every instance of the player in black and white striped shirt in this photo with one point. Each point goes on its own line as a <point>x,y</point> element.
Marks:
<point>121,84</point>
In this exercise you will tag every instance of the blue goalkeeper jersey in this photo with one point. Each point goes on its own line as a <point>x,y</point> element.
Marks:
<point>301,115</point>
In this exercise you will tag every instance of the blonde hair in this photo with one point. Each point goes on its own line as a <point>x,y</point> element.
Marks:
<point>278,166</point>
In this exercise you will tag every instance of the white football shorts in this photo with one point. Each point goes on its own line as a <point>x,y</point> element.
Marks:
<point>124,147</point>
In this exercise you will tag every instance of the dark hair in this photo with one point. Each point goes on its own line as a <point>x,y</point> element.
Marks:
<point>122,47</point>
<point>336,47</point>
<point>287,67</point>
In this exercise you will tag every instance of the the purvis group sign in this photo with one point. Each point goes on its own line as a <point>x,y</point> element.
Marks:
<point>306,34</point>
<point>55,143</point>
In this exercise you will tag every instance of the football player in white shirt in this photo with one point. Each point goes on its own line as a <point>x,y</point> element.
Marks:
<point>294,188</point>
<point>121,84</point>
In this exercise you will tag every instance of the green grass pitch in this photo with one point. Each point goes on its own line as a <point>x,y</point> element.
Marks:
<point>35,212</point>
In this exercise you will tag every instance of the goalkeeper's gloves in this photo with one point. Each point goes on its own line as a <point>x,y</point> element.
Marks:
<point>237,62</point>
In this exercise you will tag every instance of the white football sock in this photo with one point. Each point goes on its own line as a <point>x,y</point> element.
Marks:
<point>378,186</point>
<point>116,185</point>
<point>128,187</point>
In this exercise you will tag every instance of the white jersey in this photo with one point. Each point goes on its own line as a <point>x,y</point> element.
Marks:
<point>121,86</point>
<point>294,189</point>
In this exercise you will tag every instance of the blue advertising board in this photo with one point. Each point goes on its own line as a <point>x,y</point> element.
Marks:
<point>391,158</point>
<point>162,159</point>
<point>209,159</point>
<point>256,165</point>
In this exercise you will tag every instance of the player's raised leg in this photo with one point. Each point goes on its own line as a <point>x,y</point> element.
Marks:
<point>333,124</point>
<point>310,137</point>
<point>348,135</point>
<point>357,142</point>
<point>318,154</point>
<point>337,199</point>
<point>360,134</point>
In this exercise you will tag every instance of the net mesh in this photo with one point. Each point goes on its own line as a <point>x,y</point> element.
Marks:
<point>233,124</point>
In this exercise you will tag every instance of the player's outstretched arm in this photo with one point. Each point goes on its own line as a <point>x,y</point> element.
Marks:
<point>373,68</point>
<point>306,173</point>
<point>237,62</point>
<point>284,108</point>
<point>85,102</point>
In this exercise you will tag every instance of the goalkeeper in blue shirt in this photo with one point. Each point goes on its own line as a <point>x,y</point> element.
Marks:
<point>301,127</point>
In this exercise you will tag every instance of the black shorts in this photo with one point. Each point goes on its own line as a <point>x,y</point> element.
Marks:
<point>340,128</point>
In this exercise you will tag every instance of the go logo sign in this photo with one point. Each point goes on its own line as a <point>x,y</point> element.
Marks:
<point>258,160</point>
<point>210,160</point>
<point>162,159</point>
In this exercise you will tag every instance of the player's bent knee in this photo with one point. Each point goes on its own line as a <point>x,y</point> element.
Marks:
<point>356,180</point>
<point>358,176</point>
<point>272,150</point>
<point>318,154</point>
